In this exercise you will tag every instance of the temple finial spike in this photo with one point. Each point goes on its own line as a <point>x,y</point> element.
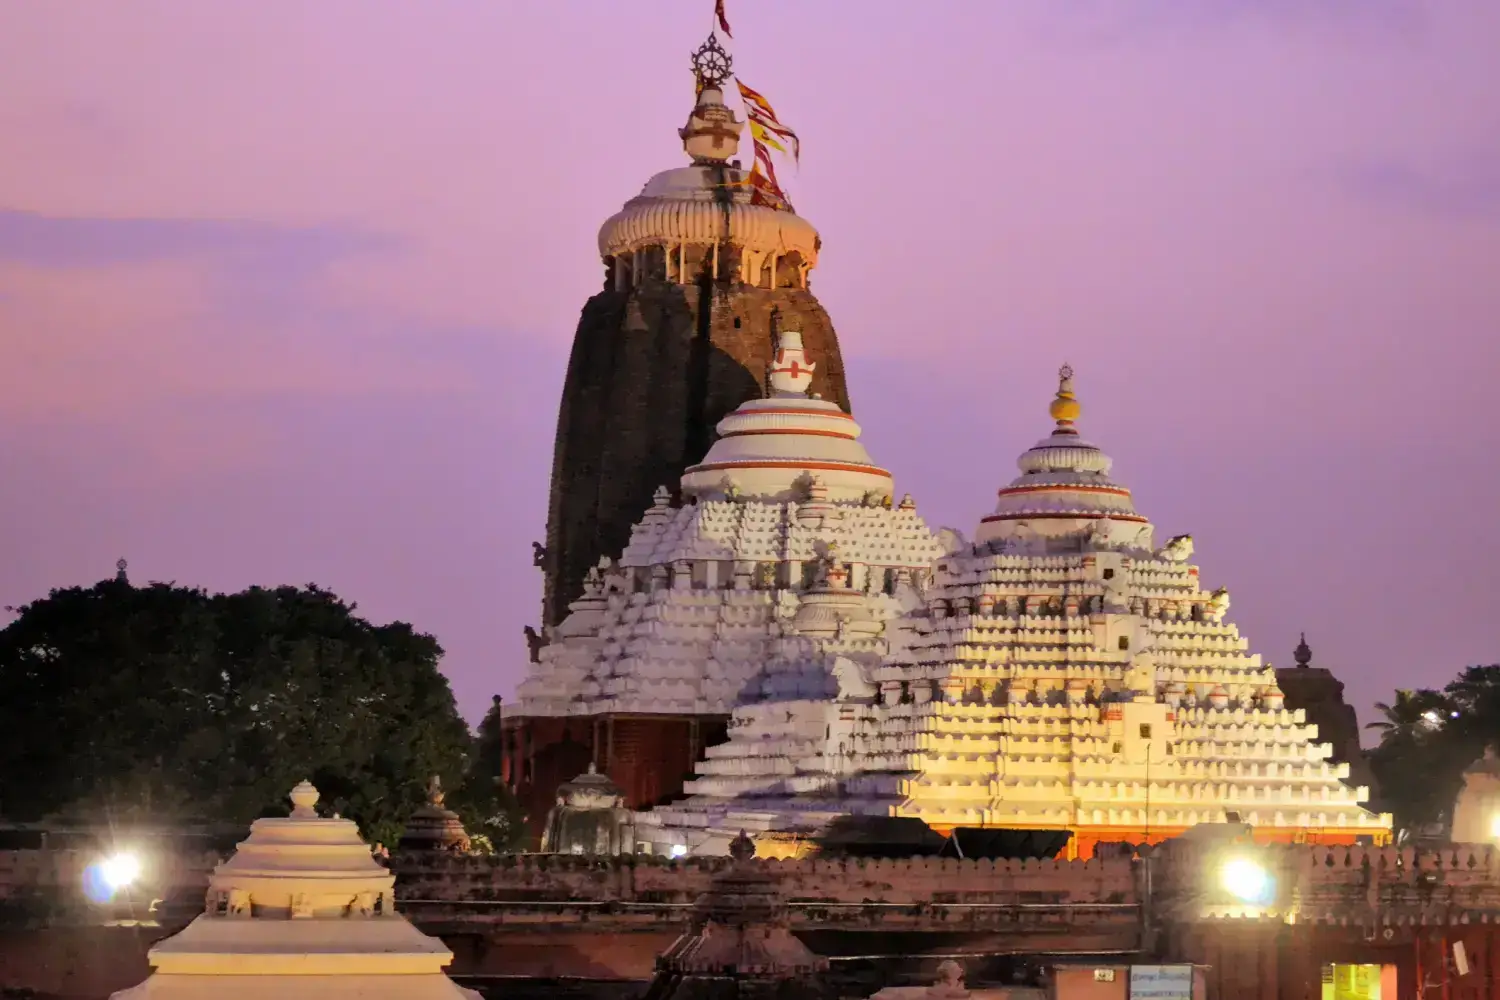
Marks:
<point>790,373</point>
<point>1065,408</point>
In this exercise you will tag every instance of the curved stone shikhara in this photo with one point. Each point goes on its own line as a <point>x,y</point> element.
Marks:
<point>1058,673</point>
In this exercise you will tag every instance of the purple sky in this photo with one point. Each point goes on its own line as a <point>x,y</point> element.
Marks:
<point>287,288</point>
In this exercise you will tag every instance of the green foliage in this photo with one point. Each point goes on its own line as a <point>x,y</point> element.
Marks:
<point>167,704</point>
<point>490,813</point>
<point>1427,739</point>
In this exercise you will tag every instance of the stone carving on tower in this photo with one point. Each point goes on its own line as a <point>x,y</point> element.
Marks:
<point>695,267</point>
<point>1058,673</point>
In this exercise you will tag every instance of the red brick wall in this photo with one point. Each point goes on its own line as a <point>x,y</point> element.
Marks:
<point>649,757</point>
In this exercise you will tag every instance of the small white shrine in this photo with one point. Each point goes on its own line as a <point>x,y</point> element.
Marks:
<point>302,909</point>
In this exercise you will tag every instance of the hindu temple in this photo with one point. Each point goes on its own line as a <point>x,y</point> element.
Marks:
<point>697,270</point>
<point>787,535</point>
<point>700,272</point>
<point>1061,671</point>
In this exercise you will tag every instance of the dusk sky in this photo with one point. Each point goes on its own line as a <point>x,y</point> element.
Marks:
<point>287,287</point>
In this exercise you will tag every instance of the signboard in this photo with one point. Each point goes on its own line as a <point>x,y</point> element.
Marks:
<point>1161,982</point>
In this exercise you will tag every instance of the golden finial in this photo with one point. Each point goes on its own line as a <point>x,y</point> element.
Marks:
<point>1065,408</point>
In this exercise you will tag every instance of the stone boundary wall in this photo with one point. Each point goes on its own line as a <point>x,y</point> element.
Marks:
<point>915,881</point>
<point>1354,883</point>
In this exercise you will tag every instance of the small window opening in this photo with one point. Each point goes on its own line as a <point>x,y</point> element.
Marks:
<point>1109,574</point>
<point>1117,748</point>
<point>1145,730</point>
<point>736,322</point>
<point>1124,642</point>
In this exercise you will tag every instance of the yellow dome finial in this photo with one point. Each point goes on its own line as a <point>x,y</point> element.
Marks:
<point>1065,407</point>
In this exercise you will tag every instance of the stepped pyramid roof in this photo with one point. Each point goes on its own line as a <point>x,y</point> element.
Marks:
<point>707,592</point>
<point>1059,672</point>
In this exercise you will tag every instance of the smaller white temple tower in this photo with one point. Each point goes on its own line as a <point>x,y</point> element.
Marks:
<point>302,909</point>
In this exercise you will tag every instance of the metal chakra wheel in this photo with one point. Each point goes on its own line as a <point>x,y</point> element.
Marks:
<point>711,63</point>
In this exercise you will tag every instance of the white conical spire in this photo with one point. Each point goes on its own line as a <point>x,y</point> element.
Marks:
<point>777,446</point>
<point>791,373</point>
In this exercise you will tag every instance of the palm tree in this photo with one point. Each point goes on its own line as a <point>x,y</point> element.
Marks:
<point>1411,714</point>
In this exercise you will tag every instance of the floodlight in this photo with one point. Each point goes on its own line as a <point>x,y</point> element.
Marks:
<point>1246,880</point>
<point>120,870</point>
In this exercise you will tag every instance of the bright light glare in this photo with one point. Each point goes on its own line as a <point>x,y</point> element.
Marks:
<point>120,870</point>
<point>679,850</point>
<point>104,878</point>
<point>1245,880</point>
<point>1495,825</point>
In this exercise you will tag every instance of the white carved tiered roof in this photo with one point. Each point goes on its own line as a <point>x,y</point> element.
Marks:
<point>1059,672</point>
<point>706,594</point>
<point>302,910</point>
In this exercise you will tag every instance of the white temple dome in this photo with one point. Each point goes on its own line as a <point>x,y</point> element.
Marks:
<point>1064,486</point>
<point>302,909</point>
<point>788,444</point>
<point>707,202</point>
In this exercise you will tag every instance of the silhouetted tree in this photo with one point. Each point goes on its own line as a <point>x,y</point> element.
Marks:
<point>1427,739</point>
<point>122,703</point>
<point>487,807</point>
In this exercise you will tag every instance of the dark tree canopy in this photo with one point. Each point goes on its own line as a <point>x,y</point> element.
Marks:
<point>1427,739</point>
<point>167,704</point>
<point>488,808</point>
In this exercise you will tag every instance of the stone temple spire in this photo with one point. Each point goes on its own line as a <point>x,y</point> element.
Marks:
<point>693,270</point>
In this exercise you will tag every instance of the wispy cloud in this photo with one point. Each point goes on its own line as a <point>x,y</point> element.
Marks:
<point>1108,22</point>
<point>1466,185</point>
<point>53,241</point>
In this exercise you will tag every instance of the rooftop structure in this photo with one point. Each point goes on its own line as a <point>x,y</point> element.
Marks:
<point>740,945</point>
<point>1060,672</point>
<point>590,818</point>
<point>433,826</point>
<point>302,909</point>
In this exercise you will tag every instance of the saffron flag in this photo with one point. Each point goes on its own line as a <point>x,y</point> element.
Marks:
<point>760,113</point>
<point>723,21</point>
<point>763,135</point>
<point>766,190</point>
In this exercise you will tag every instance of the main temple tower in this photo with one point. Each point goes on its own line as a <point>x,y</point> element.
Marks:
<point>700,271</point>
